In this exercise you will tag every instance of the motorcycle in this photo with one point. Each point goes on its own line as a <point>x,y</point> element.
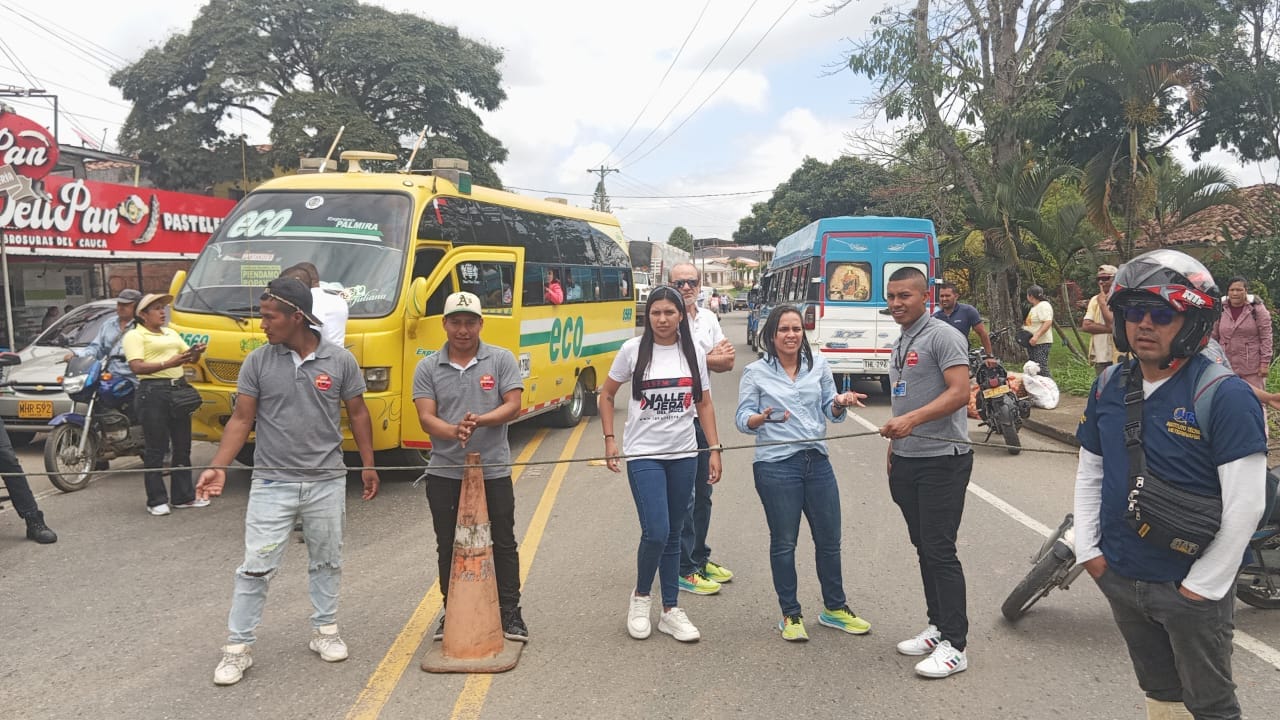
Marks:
<point>80,443</point>
<point>1054,566</point>
<point>999,408</point>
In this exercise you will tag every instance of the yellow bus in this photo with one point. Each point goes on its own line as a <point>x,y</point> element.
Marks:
<point>394,245</point>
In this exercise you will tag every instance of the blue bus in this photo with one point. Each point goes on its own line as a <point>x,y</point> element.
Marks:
<point>836,271</point>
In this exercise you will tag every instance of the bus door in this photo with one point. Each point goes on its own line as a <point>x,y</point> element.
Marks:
<point>490,274</point>
<point>849,331</point>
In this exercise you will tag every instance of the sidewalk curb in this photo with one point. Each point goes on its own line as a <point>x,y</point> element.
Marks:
<point>1049,431</point>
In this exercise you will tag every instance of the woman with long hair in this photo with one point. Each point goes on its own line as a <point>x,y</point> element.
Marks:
<point>1244,331</point>
<point>788,397</point>
<point>668,376</point>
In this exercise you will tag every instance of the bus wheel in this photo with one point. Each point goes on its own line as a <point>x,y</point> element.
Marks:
<point>571,412</point>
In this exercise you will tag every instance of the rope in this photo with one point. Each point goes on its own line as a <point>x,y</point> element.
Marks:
<point>593,459</point>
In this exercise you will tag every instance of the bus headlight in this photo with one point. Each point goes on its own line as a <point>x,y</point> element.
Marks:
<point>192,373</point>
<point>377,379</point>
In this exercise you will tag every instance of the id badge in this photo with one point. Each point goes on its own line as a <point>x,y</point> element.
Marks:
<point>900,389</point>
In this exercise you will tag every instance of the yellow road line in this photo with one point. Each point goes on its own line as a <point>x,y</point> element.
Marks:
<point>387,675</point>
<point>471,699</point>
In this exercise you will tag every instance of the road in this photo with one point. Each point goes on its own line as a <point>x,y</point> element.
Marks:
<point>124,616</point>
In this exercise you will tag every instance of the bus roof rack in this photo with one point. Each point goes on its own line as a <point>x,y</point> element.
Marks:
<point>354,158</point>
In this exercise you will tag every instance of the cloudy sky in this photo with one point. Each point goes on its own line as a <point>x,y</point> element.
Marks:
<point>753,91</point>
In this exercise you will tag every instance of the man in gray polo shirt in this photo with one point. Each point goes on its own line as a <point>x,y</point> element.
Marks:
<point>465,395</point>
<point>929,464</point>
<point>292,387</point>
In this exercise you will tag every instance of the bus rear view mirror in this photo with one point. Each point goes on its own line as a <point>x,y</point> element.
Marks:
<point>418,298</point>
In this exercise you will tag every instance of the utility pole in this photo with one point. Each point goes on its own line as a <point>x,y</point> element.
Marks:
<point>14,91</point>
<point>600,201</point>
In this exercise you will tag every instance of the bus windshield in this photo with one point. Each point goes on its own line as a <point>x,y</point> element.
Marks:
<point>355,240</point>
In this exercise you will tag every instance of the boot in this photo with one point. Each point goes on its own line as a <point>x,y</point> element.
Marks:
<point>38,531</point>
<point>1162,710</point>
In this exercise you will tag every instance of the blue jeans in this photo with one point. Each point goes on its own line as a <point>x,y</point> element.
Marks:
<point>694,552</point>
<point>661,489</point>
<point>1180,648</point>
<point>802,483</point>
<point>268,520</point>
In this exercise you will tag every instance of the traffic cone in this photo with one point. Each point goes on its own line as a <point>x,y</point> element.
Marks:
<point>473,640</point>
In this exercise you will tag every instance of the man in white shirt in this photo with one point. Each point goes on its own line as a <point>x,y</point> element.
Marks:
<point>329,308</point>
<point>698,574</point>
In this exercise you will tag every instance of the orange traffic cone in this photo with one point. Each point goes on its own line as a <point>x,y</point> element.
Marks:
<point>473,640</point>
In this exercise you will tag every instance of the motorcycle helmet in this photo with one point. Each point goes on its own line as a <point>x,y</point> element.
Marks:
<point>1174,279</point>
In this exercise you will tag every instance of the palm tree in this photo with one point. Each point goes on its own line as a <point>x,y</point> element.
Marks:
<point>1178,195</point>
<point>1143,69</point>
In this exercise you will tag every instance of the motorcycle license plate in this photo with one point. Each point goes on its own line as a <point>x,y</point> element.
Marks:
<point>995,391</point>
<point>35,409</point>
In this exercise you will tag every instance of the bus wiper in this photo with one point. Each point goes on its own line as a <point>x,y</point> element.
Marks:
<point>195,292</point>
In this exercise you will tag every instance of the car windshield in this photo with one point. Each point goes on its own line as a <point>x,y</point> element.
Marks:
<point>355,240</point>
<point>77,328</point>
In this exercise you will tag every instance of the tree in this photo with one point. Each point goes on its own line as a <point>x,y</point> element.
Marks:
<point>681,239</point>
<point>815,190</point>
<point>1245,112</point>
<point>1179,195</point>
<point>971,71</point>
<point>308,67</point>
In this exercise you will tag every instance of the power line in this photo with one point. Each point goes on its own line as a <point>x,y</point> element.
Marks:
<point>692,84</point>
<point>717,87</point>
<point>663,79</point>
<point>72,88</point>
<point>86,48</point>
<point>643,197</point>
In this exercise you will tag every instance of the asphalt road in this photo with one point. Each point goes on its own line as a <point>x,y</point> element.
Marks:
<point>124,616</point>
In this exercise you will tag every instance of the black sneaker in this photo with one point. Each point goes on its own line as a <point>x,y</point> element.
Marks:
<point>513,627</point>
<point>439,633</point>
<point>38,531</point>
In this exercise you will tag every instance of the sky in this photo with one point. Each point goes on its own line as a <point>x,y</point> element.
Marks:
<point>750,89</point>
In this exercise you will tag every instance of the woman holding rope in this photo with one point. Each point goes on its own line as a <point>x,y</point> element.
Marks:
<point>785,400</point>
<point>668,376</point>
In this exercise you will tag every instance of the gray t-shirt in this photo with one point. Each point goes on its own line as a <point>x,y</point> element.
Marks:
<point>298,422</point>
<point>921,353</point>
<point>477,388</point>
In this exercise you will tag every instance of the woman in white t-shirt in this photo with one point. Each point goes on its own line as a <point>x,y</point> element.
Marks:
<point>1039,323</point>
<point>668,376</point>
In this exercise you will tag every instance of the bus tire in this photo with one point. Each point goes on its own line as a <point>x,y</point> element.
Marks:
<point>570,413</point>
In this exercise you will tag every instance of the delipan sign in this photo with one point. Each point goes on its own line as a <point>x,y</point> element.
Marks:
<point>80,218</point>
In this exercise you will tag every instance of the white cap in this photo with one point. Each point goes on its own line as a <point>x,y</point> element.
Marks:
<point>462,302</point>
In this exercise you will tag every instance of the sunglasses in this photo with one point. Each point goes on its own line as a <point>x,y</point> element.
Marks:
<point>684,283</point>
<point>1159,315</point>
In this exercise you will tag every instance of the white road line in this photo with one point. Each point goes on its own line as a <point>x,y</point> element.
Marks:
<point>1244,640</point>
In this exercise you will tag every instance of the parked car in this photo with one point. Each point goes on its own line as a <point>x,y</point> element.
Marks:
<point>740,301</point>
<point>30,394</point>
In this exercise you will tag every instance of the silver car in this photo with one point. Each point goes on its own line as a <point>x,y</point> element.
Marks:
<point>30,393</point>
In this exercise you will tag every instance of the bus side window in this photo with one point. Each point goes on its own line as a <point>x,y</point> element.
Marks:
<point>533,232</point>
<point>435,304</point>
<point>580,284</point>
<point>449,219</point>
<point>491,282</point>
<point>535,275</point>
<point>487,224</point>
<point>611,280</point>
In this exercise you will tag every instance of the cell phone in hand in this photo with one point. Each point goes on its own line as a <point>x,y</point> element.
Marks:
<point>776,416</point>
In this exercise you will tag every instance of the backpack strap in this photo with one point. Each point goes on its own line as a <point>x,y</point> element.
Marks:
<point>1207,384</point>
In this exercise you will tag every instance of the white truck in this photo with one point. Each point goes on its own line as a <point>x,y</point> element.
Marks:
<point>650,262</point>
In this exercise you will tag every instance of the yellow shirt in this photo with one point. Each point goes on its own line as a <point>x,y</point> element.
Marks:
<point>1040,313</point>
<point>142,344</point>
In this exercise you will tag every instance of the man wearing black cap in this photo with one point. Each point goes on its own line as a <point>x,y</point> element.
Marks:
<point>292,389</point>
<point>106,344</point>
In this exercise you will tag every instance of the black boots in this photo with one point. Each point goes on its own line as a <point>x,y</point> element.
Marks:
<point>38,531</point>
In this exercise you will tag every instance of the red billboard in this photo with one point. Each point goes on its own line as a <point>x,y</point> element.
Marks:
<point>81,218</point>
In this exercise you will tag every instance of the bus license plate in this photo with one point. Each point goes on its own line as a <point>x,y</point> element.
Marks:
<point>877,364</point>
<point>995,391</point>
<point>35,409</point>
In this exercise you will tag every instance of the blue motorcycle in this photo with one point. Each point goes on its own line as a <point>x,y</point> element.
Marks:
<point>82,442</point>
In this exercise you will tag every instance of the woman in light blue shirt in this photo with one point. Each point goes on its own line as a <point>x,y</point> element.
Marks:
<point>787,398</point>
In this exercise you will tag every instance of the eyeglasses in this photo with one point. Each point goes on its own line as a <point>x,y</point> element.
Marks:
<point>684,283</point>
<point>1104,278</point>
<point>1159,315</point>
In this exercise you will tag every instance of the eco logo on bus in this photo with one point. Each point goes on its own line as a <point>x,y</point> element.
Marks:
<point>566,338</point>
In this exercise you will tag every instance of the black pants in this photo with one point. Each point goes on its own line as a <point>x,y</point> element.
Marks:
<point>15,480</point>
<point>163,426</point>
<point>1040,354</point>
<point>930,491</point>
<point>442,497</point>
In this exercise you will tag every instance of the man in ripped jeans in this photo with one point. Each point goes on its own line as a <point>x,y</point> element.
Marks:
<point>292,388</point>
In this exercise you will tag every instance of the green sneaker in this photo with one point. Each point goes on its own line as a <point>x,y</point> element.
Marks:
<point>717,572</point>
<point>844,619</point>
<point>698,584</point>
<point>792,627</point>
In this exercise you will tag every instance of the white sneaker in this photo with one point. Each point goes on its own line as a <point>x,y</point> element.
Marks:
<point>235,660</point>
<point>638,625</point>
<point>161,509</point>
<point>197,503</point>
<point>921,644</point>
<point>945,660</point>
<point>676,624</point>
<point>326,641</point>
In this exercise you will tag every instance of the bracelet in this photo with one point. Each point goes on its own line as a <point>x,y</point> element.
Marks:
<point>716,448</point>
<point>609,435</point>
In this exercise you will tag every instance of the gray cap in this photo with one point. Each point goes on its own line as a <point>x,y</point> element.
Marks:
<point>128,296</point>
